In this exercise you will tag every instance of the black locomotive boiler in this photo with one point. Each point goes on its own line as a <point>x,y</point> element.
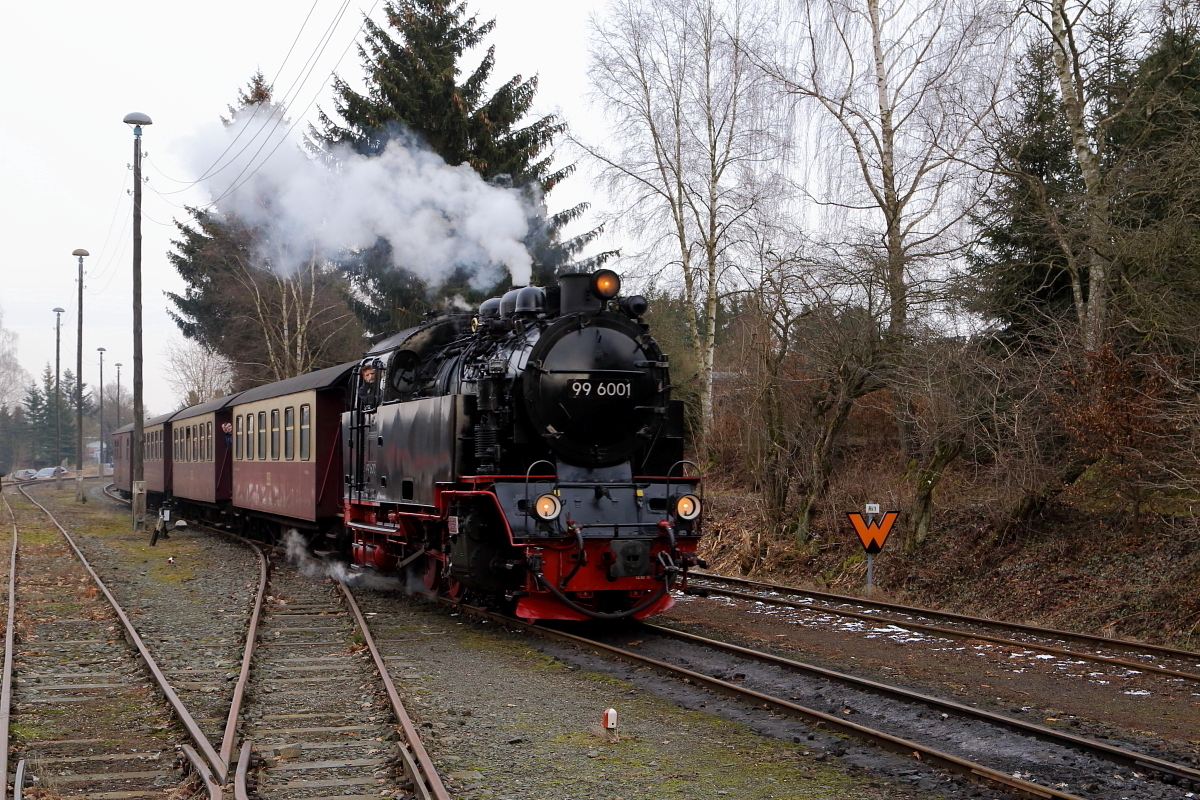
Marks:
<point>528,454</point>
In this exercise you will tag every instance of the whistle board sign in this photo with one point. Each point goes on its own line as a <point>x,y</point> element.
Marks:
<point>872,530</point>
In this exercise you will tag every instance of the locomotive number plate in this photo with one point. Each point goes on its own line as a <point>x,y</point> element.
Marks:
<point>601,388</point>
<point>452,525</point>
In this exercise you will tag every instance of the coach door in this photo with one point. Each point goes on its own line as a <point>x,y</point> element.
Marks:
<point>363,435</point>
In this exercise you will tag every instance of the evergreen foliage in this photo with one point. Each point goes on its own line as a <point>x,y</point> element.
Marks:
<point>1020,272</point>
<point>415,86</point>
<point>40,418</point>
<point>1145,118</point>
<point>11,423</point>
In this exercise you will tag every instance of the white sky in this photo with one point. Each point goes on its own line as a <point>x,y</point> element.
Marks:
<point>74,69</point>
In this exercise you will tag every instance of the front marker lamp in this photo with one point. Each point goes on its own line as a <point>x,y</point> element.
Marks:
<point>687,507</point>
<point>606,284</point>
<point>547,507</point>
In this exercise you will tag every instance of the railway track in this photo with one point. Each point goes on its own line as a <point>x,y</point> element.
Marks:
<point>1142,657</point>
<point>89,721</point>
<point>313,706</point>
<point>999,752</point>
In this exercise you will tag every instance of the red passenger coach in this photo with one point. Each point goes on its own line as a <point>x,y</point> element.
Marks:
<point>122,440</point>
<point>286,453</point>
<point>156,458</point>
<point>202,441</point>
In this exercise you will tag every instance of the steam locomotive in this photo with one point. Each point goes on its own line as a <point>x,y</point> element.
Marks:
<point>527,454</point>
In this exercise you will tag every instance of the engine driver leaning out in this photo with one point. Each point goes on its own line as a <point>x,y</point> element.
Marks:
<point>368,387</point>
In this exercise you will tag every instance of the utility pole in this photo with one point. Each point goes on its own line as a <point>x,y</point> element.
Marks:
<point>58,312</point>
<point>119,365</point>
<point>137,120</point>
<point>102,460</point>
<point>79,495</point>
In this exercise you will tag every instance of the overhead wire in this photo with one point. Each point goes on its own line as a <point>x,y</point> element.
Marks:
<point>233,188</point>
<point>278,72</point>
<point>212,169</point>
<point>111,221</point>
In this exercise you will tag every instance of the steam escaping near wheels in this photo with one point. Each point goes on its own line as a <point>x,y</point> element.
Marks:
<point>296,549</point>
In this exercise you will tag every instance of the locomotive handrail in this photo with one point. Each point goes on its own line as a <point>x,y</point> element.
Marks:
<point>681,463</point>
<point>528,473</point>
<point>593,371</point>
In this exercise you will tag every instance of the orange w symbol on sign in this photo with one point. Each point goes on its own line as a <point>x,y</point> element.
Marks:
<point>873,533</point>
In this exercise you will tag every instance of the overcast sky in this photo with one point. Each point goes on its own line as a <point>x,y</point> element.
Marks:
<point>74,69</point>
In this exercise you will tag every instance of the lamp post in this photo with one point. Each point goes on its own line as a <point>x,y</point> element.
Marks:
<point>138,480</point>
<point>58,312</point>
<point>79,496</point>
<point>100,459</point>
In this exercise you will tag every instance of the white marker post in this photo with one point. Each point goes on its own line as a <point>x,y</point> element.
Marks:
<point>609,722</point>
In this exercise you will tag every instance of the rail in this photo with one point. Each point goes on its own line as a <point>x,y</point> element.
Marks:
<point>418,764</point>
<point>1033,630</point>
<point>203,747</point>
<point>423,773</point>
<point>970,770</point>
<point>6,689</point>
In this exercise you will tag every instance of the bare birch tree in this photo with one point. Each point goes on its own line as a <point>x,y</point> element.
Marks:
<point>692,133</point>
<point>14,380</point>
<point>900,90</point>
<point>196,373</point>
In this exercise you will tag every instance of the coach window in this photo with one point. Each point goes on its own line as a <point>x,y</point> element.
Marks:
<point>274,434</point>
<point>289,433</point>
<point>249,437</point>
<point>237,438</point>
<point>208,441</point>
<point>305,431</point>
<point>262,436</point>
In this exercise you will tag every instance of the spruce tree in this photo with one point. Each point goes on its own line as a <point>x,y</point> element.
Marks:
<point>44,426</point>
<point>1019,271</point>
<point>415,86</point>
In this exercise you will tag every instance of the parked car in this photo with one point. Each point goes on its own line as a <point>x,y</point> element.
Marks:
<point>48,472</point>
<point>24,474</point>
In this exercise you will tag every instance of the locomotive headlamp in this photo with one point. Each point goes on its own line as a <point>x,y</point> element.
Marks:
<point>547,507</point>
<point>687,507</point>
<point>606,284</point>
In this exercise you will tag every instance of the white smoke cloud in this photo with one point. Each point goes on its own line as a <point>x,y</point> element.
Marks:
<point>438,218</point>
<point>313,567</point>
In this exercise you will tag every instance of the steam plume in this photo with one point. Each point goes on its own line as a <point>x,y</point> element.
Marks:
<point>437,218</point>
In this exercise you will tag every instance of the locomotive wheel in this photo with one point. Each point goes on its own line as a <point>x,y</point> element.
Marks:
<point>437,584</point>
<point>453,590</point>
<point>431,575</point>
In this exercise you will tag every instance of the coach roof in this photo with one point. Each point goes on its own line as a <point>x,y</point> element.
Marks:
<point>207,407</point>
<point>321,379</point>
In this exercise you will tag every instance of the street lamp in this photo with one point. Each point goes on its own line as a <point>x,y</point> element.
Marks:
<point>79,496</point>
<point>58,312</point>
<point>101,459</point>
<point>137,120</point>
